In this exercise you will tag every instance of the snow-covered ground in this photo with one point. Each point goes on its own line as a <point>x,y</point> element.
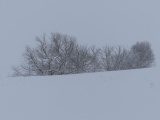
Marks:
<point>118,95</point>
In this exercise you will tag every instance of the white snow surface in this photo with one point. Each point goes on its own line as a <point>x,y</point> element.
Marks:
<point>118,95</point>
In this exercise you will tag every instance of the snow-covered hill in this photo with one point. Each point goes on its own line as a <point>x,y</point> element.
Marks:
<point>119,95</point>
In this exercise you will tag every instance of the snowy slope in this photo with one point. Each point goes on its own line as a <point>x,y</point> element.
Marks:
<point>119,95</point>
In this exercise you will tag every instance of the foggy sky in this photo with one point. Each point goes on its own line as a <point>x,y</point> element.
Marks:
<point>92,22</point>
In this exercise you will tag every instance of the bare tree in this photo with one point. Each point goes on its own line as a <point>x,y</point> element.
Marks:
<point>85,59</point>
<point>62,47</point>
<point>118,58</point>
<point>113,58</point>
<point>79,59</point>
<point>95,62</point>
<point>48,58</point>
<point>141,55</point>
<point>62,55</point>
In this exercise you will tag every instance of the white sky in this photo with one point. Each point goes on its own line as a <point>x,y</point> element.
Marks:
<point>92,22</point>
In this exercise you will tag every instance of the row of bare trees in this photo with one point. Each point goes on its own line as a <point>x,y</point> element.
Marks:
<point>62,55</point>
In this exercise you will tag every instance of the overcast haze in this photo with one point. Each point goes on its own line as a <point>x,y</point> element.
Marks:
<point>92,22</point>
